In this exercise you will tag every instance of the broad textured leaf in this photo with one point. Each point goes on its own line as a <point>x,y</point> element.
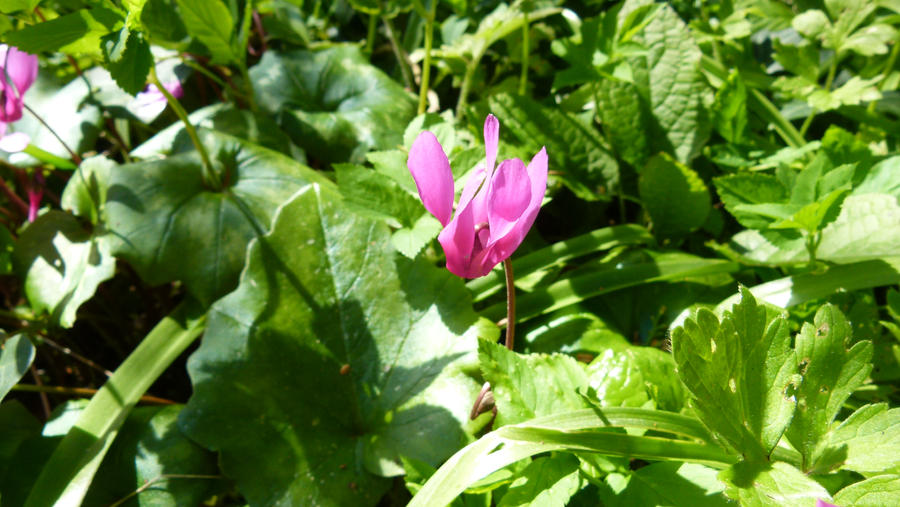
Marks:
<point>667,484</point>
<point>15,358</point>
<point>377,195</point>
<point>633,376</point>
<point>332,102</point>
<point>670,78</point>
<point>869,440</point>
<point>830,373</point>
<point>772,485</point>
<point>882,178</point>
<point>740,371</point>
<point>128,59</point>
<point>169,225</point>
<point>545,482</point>
<point>868,227</point>
<point>337,356</point>
<point>674,195</point>
<point>210,22</point>
<point>77,33</point>
<point>625,119</point>
<point>150,446</point>
<point>62,264</point>
<point>873,492</point>
<point>85,193</point>
<point>749,188</point>
<point>532,385</point>
<point>575,149</point>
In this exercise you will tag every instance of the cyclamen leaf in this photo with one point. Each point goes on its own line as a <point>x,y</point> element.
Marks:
<point>16,357</point>
<point>740,371</point>
<point>533,385</point>
<point>337,356</point>
<point>830,373</point>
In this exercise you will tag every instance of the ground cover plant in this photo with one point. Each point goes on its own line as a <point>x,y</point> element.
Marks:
<point>390,252</point>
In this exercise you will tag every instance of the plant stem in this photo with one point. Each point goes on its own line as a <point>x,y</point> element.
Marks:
<point>82,391</point>
<point>426,64</point>
<point>510,305</point>
<point>523,77</point>
<point>75,157</point>
<point>400,54</point>
<point>370,37</point>
<point>464,89</point>
<point>209,175</point>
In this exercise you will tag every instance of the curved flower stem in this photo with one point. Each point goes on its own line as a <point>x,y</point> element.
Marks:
<point>75,157</point>
<point>209,175</point>
<point>510,305</point>
<point>370,37</point>
<point>426,64</point>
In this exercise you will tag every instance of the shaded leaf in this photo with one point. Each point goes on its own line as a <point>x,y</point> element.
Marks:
<point>772,485</point>
<point>128,59</point>
<point>667,484</point>
<point>210,22</point>
<point>16,357</point>
<point>76,33</point>
<point>674,195</point>
<point>869,440</point>
<point>545,482</point>
<point>873,492</point>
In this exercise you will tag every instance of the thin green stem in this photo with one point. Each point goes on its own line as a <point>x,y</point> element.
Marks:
<point>211,75</point>
<point>209,174</point>
<point>426,63</point>
<point>523,77</point>
<point>248,84</point>
<point>370,37</point>
<point>400,54</point>
<point>829,79</point>
<point>510,305</point>
<point>464,89</point>
<point>75,157</point>
<point>165,477</point>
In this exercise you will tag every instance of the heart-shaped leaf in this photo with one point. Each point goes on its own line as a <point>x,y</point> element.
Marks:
<point>337,356</point>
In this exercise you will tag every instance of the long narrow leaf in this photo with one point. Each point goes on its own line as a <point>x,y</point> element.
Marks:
<point>66,477</point>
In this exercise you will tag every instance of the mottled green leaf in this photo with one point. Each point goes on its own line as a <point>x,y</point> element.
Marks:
<point>625,119</point>
<point>740,371</point>
<point>170,225</point>
<point>532,385</point>
<point>332,102</point>
<point>85,193</point>
<point>674,195</point>
<point>337,356</point>
<point>830,374</point>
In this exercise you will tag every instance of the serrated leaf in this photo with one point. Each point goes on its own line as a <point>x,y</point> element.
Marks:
<point>62,264</point>
<point>16,357</point>
<point>730,109</point>
<point>674,195</point>
<point>669,75</point>
<point>128,59</point>
<point>533,385</point>
<point>665,484</point>
<point>851,93</point>
<point>332,102</point>
<point>410,240</point>
<point>869,440</point>
<point>575,149</point>
<point>772,485</point>
<point>749,188</point>
<point>75,33</point>
<point>337,356</point>
<point>740,371</point>
<point>873,492</point>
<point>159,211</point>
<point>545,482</point>
<point>625,119</point>
<point>210,22</point>
<point>830,371</point>
<point>373,193</point>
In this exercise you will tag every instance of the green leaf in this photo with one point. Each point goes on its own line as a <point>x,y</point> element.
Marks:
<point>872,492</point>
<point>882,178</point>
<point>160,211</point>
<point>332,102</point>
<point>16,357</point>
<point>625,119</point>
<point>128,59</point>
<point>68,473</point>
<point>575,150</point>
<point>75,33</point>
<point>749,188</point>
<point>410,240</point>
<point>869,440</point>
<point>10,6</point>
<point>811,23</point>
<point>338,356</point>
<point>772,485</point>
<point>62,264</point>
<point>670,78</point>
<point>18,426</point>
<point>163,25</point>
<point>150,449</point>
<point>667,484</point>
<point>545,482</point>
<point>730,109</point>
<point>631,376</point>
<point>830,373</point>
<point>7,250</point>
<point>533,385</point>
<point>674,195</point>
<point>210,22</point>
<point>740,371</point>
<point>85,193</point>
<point>851,93</point>
<point>369,192</point>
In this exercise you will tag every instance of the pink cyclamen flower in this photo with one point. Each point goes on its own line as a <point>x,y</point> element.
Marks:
<point>496,208</point>
<point>18,70</point>
<point>151,101</point>
<point>822,503</point>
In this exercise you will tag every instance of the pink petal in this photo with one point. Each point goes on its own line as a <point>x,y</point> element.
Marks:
<point>15,142</point>
<point>508,197</point>
<point>491,139</point>
<point>475,192</point>
<point>457,239</point>
<point>34,202</point>
<point>174,87</point>
<point>21,67</point>
<point>434,180</point>
<point>822,503</point>
<point>504,246</point>
<point>12,105</point>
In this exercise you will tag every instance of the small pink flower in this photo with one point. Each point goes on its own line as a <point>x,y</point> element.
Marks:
<point>18,70</point>
<point>822,503</point>
<point>151,101</point>
<point>496,208</point>
<point>35,193</point>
